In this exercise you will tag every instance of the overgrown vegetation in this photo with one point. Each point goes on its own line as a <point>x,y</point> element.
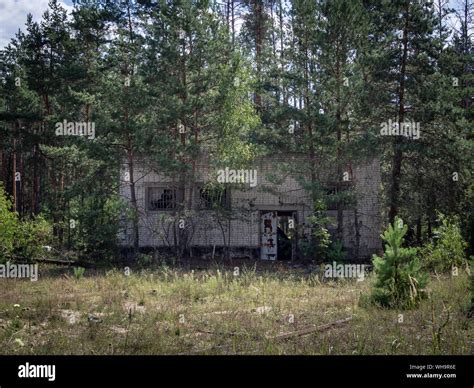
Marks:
<point>447,251</point>
<point>167,84</point>
<point>8,225</point>
<point>21,239</point>
<point>317,245</point>
<point>169,311</point>
<point>176,81</point>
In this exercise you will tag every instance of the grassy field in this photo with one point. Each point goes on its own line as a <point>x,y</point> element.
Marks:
<point>211,311</point>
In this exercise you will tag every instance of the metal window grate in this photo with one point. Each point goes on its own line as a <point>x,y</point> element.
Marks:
<point>211,199</point>
<point>161,198</point>
<point>335,194</point>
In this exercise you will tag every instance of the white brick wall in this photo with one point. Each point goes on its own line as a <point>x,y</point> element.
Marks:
<point>286,195</point>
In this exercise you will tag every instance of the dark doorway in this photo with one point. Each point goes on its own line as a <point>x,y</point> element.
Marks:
<point>285,234</point>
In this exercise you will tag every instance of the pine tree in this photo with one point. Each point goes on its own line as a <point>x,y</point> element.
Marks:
<point>399,279</point>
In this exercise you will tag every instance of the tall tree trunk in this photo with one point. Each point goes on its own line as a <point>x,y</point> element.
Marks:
<point>133,196</point>
<point>312,152</point>
<point>3,171</point>
<point>21,205</point>
<point>397,151</point>
<point>61,202</point>
<point>130,152</point>
<point>340,209</point>
<point>229,232</point>
<point>233,22</point>
<point>15,204</point>
<point>418,230</point>
<point>258,14</point>
<point>357,232</point>
<point>282,57</point>
<point>36,183</point>
<point>227,13</point>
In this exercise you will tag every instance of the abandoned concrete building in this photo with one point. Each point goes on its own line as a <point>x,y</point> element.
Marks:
<point>264,215</point>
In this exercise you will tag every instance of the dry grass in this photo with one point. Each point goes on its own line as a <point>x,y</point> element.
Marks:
<point>169,311</point>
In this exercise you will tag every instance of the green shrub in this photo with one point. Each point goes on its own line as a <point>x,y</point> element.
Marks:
<point>21,239</point>
<point>471,277</point>
<point>399,279</point>
<point>316,245</point>
<point>336,252</point>
<point>32,236</point>
<point>97,226</point>
<point>447,249</point>
<point>144,260</point>
<point>79,272</point>
<point>8,227</point>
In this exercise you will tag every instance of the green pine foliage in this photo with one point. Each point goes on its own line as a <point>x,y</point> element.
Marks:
<point>400,280</point>
<point>175,80</point>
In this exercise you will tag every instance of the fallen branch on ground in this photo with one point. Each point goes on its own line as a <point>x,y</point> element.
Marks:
<point>309,330</point>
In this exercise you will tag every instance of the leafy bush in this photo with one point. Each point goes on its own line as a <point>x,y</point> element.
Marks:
<point>317,245</point>
<point>97,227</point>
<point>471,277</point>
<point>32,236</point>
<point>8,227</point>
<point>21,239</point>
<point>399,281</point>
<point>447,249</point>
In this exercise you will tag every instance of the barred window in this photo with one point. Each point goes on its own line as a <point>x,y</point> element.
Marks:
<point>342,194</point>
<point>161,198</point>
<point>210,198</point>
